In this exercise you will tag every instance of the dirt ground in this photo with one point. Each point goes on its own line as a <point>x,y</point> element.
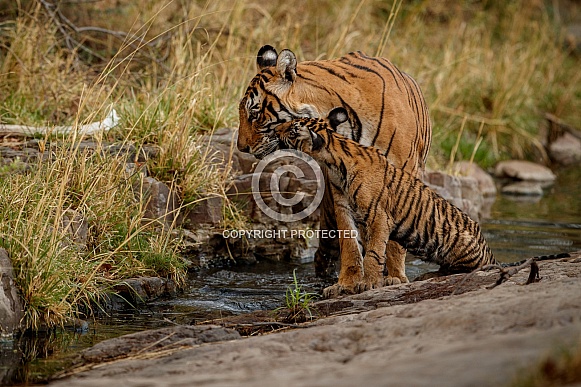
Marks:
<point>416,334</point>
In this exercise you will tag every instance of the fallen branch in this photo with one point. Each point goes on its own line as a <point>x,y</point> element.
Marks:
<point>507,270</point>
<point>89,129</point>
<point>505,273</point>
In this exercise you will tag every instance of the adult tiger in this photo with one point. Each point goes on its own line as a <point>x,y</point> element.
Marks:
<point>386,109</point>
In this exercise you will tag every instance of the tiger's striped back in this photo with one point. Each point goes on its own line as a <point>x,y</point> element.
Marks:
<point>385,106</point>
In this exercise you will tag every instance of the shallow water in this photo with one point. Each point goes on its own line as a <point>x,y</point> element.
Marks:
<point>519,228</point>
<point>516,229</point>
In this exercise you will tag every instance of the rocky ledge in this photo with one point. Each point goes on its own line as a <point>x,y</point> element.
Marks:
<point>445,331</point>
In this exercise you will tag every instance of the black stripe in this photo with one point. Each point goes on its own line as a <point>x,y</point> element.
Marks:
<point>327,69</point>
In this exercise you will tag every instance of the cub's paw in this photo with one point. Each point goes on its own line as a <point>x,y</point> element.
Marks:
<point>336,291</point>
<point>363,286</point>
<point>388,281</point>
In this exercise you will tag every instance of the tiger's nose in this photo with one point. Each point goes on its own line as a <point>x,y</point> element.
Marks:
<point>244,148</point>
<point>242,145</point>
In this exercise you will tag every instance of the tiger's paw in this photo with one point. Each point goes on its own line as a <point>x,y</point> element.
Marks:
<point>336,291</point>
<point>364,286</point>
<point>388,281</point>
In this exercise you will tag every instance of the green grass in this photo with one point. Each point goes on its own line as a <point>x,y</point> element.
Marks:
<point>298,302</point>
<point>57,275</point>
<point>175,71</point>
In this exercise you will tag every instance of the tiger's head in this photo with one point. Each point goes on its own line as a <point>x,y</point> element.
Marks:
<point>269,101</point>
<point>309,135</point>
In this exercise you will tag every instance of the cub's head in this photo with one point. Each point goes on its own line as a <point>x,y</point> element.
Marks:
<point>309,135</point>
<point>269,101</point>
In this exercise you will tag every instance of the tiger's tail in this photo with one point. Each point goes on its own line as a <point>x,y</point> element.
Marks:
<point>537,259</point>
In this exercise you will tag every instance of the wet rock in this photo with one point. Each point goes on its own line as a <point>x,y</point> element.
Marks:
<point>145,289</point>
<point>524,170</point>
<point>272,239</point>
<point>209,248</point>
<point>11,305</point>
<point>523,188</point>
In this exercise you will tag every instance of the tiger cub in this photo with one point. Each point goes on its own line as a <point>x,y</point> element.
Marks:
<point>387,204</point>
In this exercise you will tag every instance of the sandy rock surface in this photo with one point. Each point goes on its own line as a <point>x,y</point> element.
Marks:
<point>416,334</point>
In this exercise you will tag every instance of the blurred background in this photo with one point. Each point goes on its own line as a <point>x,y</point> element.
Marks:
<point>490,68</point>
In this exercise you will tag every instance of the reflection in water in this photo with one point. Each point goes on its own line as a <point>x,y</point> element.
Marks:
<point>516,229</point>
<point>519,229</point>
<point>219,293</point>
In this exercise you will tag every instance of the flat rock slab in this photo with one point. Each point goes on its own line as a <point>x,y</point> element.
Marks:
<point>524,170</point>
<point>156,341</point>
<point>483,337</point>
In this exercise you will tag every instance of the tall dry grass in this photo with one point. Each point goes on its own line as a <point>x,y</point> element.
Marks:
<point>175,70</point>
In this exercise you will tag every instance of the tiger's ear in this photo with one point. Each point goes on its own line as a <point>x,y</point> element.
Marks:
<point>286,65</point>
<point>337,116</point>
<point>318,141</point>
<point>266,57</point>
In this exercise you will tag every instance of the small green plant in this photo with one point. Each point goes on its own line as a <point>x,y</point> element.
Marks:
<point>298,302</point>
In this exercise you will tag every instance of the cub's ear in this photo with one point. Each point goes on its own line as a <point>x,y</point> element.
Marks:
<point>266,57</point>
<point>286,65</point>
<point>337,116</point>
<point>318,141</point>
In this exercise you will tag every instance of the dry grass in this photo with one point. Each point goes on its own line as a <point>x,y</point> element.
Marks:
<point>175,70</point>
<point>561,368</point>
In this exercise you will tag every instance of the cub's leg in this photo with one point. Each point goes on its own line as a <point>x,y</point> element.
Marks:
<point>376,239</point>
<point>395,264</point>
<point>328,252</point>
<point>351,271</point>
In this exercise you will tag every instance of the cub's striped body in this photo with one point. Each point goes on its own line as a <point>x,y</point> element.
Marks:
<point>387,203</point>
<point>385,108</point>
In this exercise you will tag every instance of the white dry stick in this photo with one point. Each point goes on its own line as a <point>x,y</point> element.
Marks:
<point>89,129</point>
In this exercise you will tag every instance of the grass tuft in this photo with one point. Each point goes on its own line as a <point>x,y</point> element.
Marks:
<point>561,368</point>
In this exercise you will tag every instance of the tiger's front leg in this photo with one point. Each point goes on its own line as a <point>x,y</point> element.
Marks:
<point>328,252</point>
<point>375,240</point>
<point>351,271</point>
<point>395,264</point>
